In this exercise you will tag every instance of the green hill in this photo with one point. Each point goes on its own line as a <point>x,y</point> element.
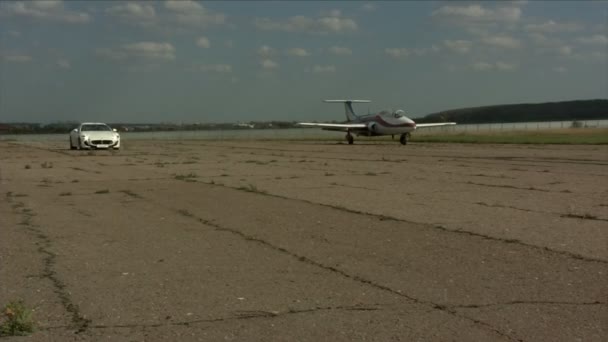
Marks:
<point>525,112</point>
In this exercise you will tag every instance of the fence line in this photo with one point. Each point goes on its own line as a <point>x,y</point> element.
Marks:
<point>515,126</point>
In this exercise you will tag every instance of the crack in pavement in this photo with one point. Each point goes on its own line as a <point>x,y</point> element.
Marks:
<point>79,322</point>
<point>508,187</point>
<point>425,224</point>
<point>344,274</point>
<point>524,302</point>
<point>239,315</point>
<point>506,158</point>
<point>570,216</point>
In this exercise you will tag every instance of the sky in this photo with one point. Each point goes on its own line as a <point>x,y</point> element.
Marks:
<point>202,62</point>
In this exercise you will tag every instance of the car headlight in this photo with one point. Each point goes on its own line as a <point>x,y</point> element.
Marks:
<point>84,137</point>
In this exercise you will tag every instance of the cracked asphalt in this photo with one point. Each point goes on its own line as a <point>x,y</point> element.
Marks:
<point>305,241</point>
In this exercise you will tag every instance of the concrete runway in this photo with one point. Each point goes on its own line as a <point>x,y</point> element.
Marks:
<point>306,241</point>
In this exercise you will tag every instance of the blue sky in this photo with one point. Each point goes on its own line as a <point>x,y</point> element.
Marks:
<point>189,61</point>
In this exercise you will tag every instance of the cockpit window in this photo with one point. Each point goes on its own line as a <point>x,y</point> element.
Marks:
<point>398,113</point>
<point>95,128</point>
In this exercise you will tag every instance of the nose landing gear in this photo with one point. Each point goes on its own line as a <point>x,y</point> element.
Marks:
<point>349,138</point>
<point>404,138</point>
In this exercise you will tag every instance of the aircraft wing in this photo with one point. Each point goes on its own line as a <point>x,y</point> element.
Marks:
<point>336,127</point>
<point>435,124</point>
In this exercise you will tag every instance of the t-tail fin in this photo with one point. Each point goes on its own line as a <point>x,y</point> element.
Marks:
<point>348,107</point>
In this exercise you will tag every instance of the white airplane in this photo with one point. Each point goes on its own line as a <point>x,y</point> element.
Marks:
<point>381,123</point>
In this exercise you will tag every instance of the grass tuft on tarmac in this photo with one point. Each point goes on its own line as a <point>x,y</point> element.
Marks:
<point>17,320</point>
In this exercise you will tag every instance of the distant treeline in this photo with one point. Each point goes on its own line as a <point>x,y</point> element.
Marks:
<point>66,127</point>
<point>525,112</point>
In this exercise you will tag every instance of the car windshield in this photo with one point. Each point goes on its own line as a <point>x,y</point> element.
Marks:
<point>87,128</point>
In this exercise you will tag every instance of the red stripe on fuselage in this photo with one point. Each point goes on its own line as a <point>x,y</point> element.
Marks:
<point>381,121</point>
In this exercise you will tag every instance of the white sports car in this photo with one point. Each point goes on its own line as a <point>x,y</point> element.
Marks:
<point>94,135</point>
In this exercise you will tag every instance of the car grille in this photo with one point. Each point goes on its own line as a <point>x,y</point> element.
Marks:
<point>101,142</point>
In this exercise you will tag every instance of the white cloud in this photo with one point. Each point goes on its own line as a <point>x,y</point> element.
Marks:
<point>542,39</point>
<point>188,12</point>
<point>323,69</point>
<point>340,50</point>
<point>297,52</point>
<point>132,11</point>
<point>460,46</point>
<point>203,42</point>
<point>63,64</point>
<point>506,42</point>
<point>500,66</point>
<point>331,13</point>
<point>553,27</point>
<point>327,24</point>
<point>16,58</point>
<point>151,50</point>
<point>505,66</point>
<point>266,51</point>
<point>560,69</point>
<point>482,66</point>
<point>589,57</point>
<point>220,68</point>
<point>565,50</point>
<point>269,64</point>
<point>425,51</point>
<point>50,10</point>
<point>397,52</point>
<point>477,13</point>
<point>145,50</point>
<point>183,6</point>
<point>335,24</point>
<point>368,7</point>
<point>596,39</point>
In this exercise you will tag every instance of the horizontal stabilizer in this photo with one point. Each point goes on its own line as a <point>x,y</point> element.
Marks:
<point>344,101</point>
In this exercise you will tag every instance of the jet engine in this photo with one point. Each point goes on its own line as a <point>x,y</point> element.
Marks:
<point>372,127</point>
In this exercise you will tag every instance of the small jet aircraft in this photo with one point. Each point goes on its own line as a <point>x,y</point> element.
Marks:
<point>381,123</point>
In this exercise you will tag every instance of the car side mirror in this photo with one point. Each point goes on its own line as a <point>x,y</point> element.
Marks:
<point>75,130</point>
<point>114,129</point>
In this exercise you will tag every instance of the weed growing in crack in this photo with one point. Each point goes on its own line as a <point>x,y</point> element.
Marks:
<point>65,194</point>
<point>17,320</point>
<point>46,165</point>
<point>27,167</point>
<point>104,191</point>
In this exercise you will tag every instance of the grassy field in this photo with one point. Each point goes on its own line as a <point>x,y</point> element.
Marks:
<point>562,136</point>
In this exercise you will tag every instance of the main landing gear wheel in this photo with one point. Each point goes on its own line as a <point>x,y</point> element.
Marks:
<point>404,138</point>
<point>350,139</point>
